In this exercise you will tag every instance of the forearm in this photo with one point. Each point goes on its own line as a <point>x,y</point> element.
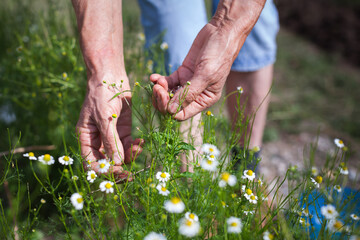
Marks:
<point>237,18</point>
<point>101,37</point>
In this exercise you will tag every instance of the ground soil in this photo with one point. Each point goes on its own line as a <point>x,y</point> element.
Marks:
<point>332,26</point>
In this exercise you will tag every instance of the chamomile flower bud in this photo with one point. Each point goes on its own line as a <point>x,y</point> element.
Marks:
<point>189,228</point>
<point>209,113</point>
<point>329,212</point>
<point>162,189</point>
<point>227,179</point>
<point>248,174</point>
<point>77,201</point>
<point>154,236</point>
<point>188,83</point>
<point>91,176</point>
<point>249,212</point>
<point>343,169</point>
<point>114,115</point>
<point>46,159</point>
<point>43,201</point>
<point>234,225</point>
<point>174,205</point>
<point>210,149</point>
<point>339,143</point>
<point>66,160</point>
<point>256,149</point>
<point>104,166</point>
<point>163,176</point>
<point>106,186</point>
<point>75,178</point>
<point>30,155</point>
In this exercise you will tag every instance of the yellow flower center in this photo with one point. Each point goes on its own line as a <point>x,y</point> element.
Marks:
<point>188,223</point>
<point>252,197</point>
<point>212,156</point>
<point>345,168</point>
<point>163,189</point>
<point>341,142</point>
<point>270,236</point>
<point>250,173</point>
<point>211,149</point>
<point>79,200</point>
<point>248,191</point>
<point>114,115</point>
<point>192,216</point>
<point>108,185</point>
<point>329,211</point>
<point>66,158</point>
<point>163,175</point>
<point>92,176</point>
<point>233,195</point>
<point>233,224</point>
<point>223,203</point>
<point>225,176</point>
<point>318,179</point>
<point>314,171</point>
<point>338,225</point>
<point>175,200</point>
<point>102,165</point>
<point>31,154</point>
<point>209,162</point>
<point>342,164</point>
<point>47,157</point>
<point>208,113</point>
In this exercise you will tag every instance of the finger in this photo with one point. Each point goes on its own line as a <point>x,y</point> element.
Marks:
<point>161,98</point>
<point>110,138</point>
<point>204,101</point>
<point>134,150</point>
<point>155,77</point>
<point>186,95</point>
<point>89,141</point>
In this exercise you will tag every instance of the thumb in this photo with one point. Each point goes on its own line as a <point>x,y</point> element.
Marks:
<point>186,95</point>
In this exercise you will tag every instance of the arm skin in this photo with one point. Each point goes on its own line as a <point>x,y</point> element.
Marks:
<point>101,41</point>
<point>209,60</point>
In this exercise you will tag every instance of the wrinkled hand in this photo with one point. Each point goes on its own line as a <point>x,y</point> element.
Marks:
<point>99,131</point>
<point>206,67</point>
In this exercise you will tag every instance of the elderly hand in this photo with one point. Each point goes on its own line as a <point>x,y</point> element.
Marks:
<point>98,128</point>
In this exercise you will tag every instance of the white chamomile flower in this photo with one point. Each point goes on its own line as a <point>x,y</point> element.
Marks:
<point>91,176</point>
<point>248,193</point>
<point>339,143</point>
<point>75,178</point>
<point>30,155</point>
<point>243,188</point>
<point>227,178</point>
<point>337,188</point>
<point>305,212</point>
<point>354,217</point>
<point>162,189</point>
<point>234,225</point>
<point>209,165</point>
<point>259,182</point>
<point>329,212</point>
<point>191,216</point>
<point>47,159</point>
<point>210,149</point>
<point>302,221</point>
<point>343,169</point>
<point>164,46</point>
<point>249,174</point>
<point>163,176</point>
<point>256,149</point>
<point>336,225</point>
<point>240,89</point>
<point>77,201</point>
<point>317,181</point>
<point>154,236</point>
<point>189,228</point>
<point>249,212</point>
<point>268,236</point>
<point>107,187</point>
<point>141,36</point>
<point>314,171</point>
<point>66,160</point>
<point>104,166</point>
<point>253,199</point>
<point>174,205</point>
